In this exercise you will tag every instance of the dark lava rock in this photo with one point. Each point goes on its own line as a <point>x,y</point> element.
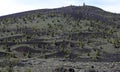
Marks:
<point>61,69</point>
<point>71,70</point>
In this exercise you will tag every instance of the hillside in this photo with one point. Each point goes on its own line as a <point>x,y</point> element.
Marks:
<point>67,34</point>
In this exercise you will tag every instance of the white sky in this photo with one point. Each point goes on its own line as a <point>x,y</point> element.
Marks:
<point>14,6</point>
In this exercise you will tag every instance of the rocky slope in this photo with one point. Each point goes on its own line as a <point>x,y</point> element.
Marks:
<point>80,34</point>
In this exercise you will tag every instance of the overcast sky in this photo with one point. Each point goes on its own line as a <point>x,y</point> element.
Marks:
<point>14,6</point>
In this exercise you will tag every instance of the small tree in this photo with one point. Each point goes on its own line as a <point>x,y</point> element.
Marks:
<point>80,44</point>
<point>96,55</point>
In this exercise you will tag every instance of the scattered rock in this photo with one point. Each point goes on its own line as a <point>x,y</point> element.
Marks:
<point>62,69</point>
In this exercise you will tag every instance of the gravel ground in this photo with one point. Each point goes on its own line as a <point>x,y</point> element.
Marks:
<point>60,65</point>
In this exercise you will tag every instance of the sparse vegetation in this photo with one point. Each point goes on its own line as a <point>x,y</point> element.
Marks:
<point>73,33</point>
